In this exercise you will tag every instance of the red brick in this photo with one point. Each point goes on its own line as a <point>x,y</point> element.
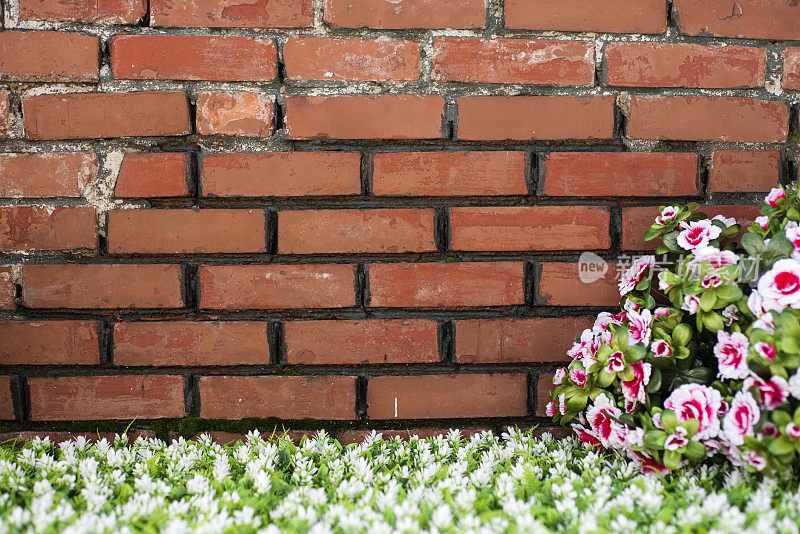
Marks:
<point>618,174</point>
<point>535,117</point>
<point>606,16</point>
<point>284,397</point>
<point>645,64</point>
<point>542,62</point>
<point>93,11</point>
<point>5,114</point>
<point>281,174</point>
<point>744,170</point>
<point>529,228</point>
<point>29,228</point>
<point>46,175</point>
<point>364,117</point>
<point>791,68</point>
<point>91,115</point>
<point>341,342</point>
<point>708,118</point>
<point>354,58</point>
<point>539,340</point>
<point>190,343</point>
<point>560,285</point>
<point>447,396</point>
<point>401,14</point>
<point>166,231</point>
<point>449,173</point>
<point>48,56</point>
<point>277,286</point>
<point>233,13</point>
<point>7,289</point>
<point>355,231</point>
<point>754,19</point>
<point>235,113</point>
<point>6,402</point>
<point>543,386</point>
<point>101,286</point>
<point>446,285</point>
<point>636,221</point>
<point>106,397</point>
<point>193,57</point>
<point>49,343</point>
<point>358,436</point>
<point>153,175</point>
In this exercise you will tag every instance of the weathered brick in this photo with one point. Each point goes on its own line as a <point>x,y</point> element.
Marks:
<point>543,387</point>
<point>93,11</point>
<point>449,173</point>
<point>284,397</point>
<point>235,113</point>
<point>791,68</point>
<point>193,57</point>
<point>560,285</point>
<point>281,174</point>
<point>101,286</point>
<point>49,343</point>
<point>708,118</point>
<point>233,13</point>
<point>186,343</point>
<point>542,62</point>
<point>535,117</point>
<point>401,14</point>
<point>5,114</point>
<point>744,170</point>
<point>92,115</point>
<point>29,228</point>
<point>6,402</point>
<point>537,340</point>
<point>376,341</point>
<point>529,228</point>
<point>354,58</point>
<point>753,19</point>
<point>166,231</point>
<point>446,285</point>
<point>153,175</point>
<point>72,398</point>
<point>364,117</point>
<point>643,64</point>
<point>48,56</point>
<point>277,286</point>
<point>44,175</point>
<point>447,396</point>
<point>355,231</point>
<point>7,289</point>
<point>608,16</point>
<point>618,174</point>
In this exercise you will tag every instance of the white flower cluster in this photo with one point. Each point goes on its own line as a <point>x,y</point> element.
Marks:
<point>514,483</point>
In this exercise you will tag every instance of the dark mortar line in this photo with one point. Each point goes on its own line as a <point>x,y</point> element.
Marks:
<point>615,229</point>
<point>531,274</point>
<point>276,342</point>
<point>366,169</point>
<point>362,292</point>
<point>361,406</point>
<point>532,173</point>
<point>192,174</point>
<point>445,338</point>
<point>533,392</point>
<point>105,341</point>
<point>19,402</point>
<point>271,231</point>
<point>442,229</point>
<point>620,122</point>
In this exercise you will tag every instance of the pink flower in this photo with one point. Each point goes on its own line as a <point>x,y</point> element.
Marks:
<point>634,390</point>
<point>730,314</point>
<point>636,272</point>
<point>558,378</point>
<point>615,362</point>
<point>780,286</point>
<point>604,319</point>
<point>582,347</point>
<point>694,401</point>
<point>601,425</point>
<point>663,285</point>
<point>691,303</point>
<point>562,404</point>
<point>586,436</point>
<point>639,327</point>
<point>770,430</point>
<point>762,221</point>
<point>727,221</point>
<point>550,409</point>
<point>774,196</point>
<point>647,463</point>
<point>774,391</point>
<point>712,446</point>
<point>711,281</point>
<point>766,323</point>
<point>714,256</point>
<point>731,351</point>
<point>677,440</point>
<point>765,350</point>
<point>697,234</point>
<point>661,348</point>
<point>756,304</point>
<point>794,385</point>
<point>578,377</point>
<point>667,214</point>
<point>740,419</point>
<point>793,234</point>
<point>661,313</point>
<point>792,430</point>
<point>756,459</point>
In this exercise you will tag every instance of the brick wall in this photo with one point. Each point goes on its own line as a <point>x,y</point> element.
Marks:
<point>353,213</point>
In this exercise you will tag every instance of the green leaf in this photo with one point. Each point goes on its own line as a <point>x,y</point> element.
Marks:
<point>691,426</point>
<point>655,380</point>
<point>669,421</point>
<point>654,439</point>
<point>695,451</point>
<point>672,459</point>
<point>780,446</point>
<point>626,374</point>
<point>788,345</point>
<point>620,339</point>
<point>604,378</point>
<point>713,321</point>
<point>707,300</point>
<point>671,242</point>
<point>681,335</point>
<point>753,244</point>
<point>729,293</point>
<point>577,402</point>
<point>781,418</point>
<point>635,354</point>
<point>653,232</point>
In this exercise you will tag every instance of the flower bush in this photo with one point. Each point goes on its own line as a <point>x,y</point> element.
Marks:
<point>514,483</point>
<point>702,360</point>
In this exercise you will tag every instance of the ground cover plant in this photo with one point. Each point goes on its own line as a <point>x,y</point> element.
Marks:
<point>510,483</point>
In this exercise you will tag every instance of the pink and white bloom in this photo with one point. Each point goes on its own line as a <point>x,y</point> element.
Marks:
<point>562,404</point>
<point>615,362</point>
<point>663,285</point>
<point>605,319</point>
<point>661,313</point>
<point>793,234</point>
<point>730,313</point>
<point>635,390</point>
<point>667,214</point>
<point>742,416</point>
<point>558,378</point>
<point>715,257</point>
<point>792,430</point>
<point>578,377</point>
<point>691,303</point>
<point>697,234</point>
<point>601,425</point>
<point>661,348</point>
<point>710,281</point>
<point>695,401</point>
<point>583,347</point>
<point>794,385</point>
<point>756,304</point>
<point>762,221</point>
<point>641,267</point>
<point>766,323</point>
<point>774,196</point>
<point>639,327</point>
<point>770,430</point>
<point>731,351</point>
<point>677,440</point>
<point>774,391</point>
<point>712,446</point>
<point>780,286</point>
<point>765,350</point>
<point>727,221</point>
<point>756,459</point>
<point>551,409</point>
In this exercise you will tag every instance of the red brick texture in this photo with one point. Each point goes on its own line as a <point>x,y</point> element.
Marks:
<point>364,213</point>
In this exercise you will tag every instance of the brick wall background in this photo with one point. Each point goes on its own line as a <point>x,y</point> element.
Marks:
<point>353,213</point>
